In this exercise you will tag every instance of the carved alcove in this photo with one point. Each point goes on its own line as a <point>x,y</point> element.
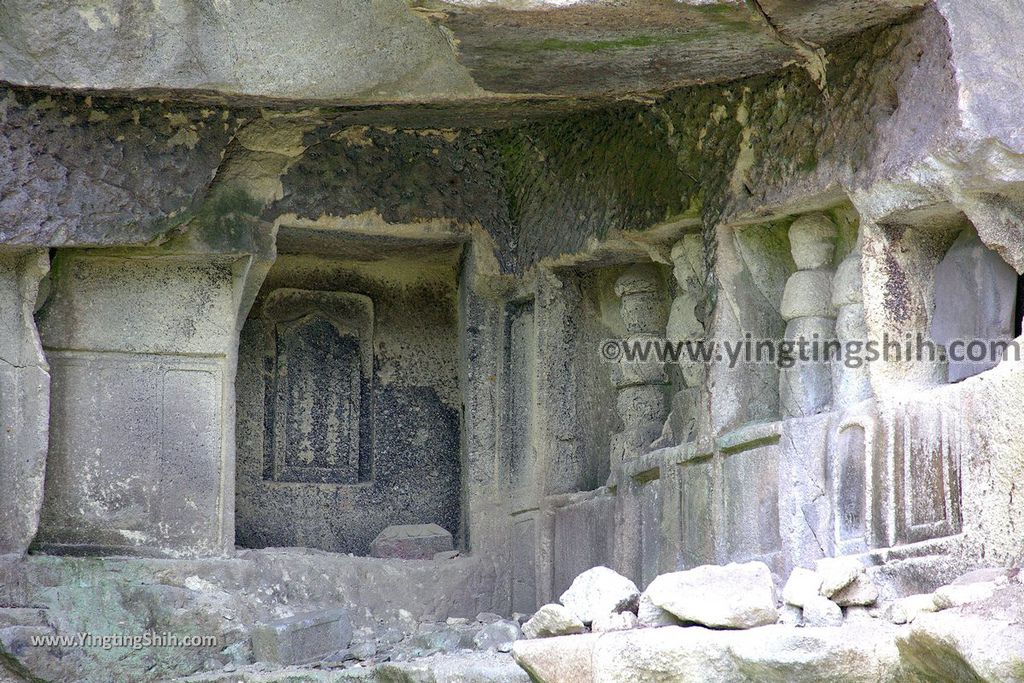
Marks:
<point>319,348</point>
<point>348,393</point>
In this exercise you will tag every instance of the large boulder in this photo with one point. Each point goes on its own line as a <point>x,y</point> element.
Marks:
<point>569,659</point>
<point>733,596</point>
<point>865,652</point>
<point>598,592</point>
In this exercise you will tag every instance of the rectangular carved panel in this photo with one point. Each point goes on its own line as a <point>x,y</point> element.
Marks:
<point>583,538</point>
<point>520,352</point>
<point>136,452</point>
<point>319,388</point>
<point>524,564</point>
<point>696,481</point>
<point>852,488</point>
<point>927,461</point>
<point>750,487</point>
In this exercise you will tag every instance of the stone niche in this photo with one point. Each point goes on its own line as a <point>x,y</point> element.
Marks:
<point>348,394</point>
<point>139,449</point>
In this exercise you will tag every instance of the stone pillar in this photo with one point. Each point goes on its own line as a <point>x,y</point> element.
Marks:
<point>806,387</point>
<point>850,385</point>
<point>684,326</point>
<point>641,387</point>
<point>24,400</point>
<point>141,445</point>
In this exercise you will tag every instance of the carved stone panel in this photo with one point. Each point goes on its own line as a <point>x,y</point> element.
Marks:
<point>136,454</point>
<point>927,466</point>
<point>852,484</point>
<point>751,503</point>
<point>695,520</point>
<point>520,352</point>
<point>524,564</point>
<point>319,389</point>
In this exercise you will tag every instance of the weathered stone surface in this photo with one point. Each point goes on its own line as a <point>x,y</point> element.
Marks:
<point>552,620</point>
<point>498,635</point>
<point>857,651</point>
<point>802,585</point>
<point>332,356</point>
<point>598,592</point>
<point>805,383</point>
<point>964,647</point>
<point>139,352</point>
<point>584,49</point>
<point>649,614</point>
<point>103,175</point>
<point>662,655</point>
<point>615,621</point>
<point>861,652</point>
<point>567,659</point>
<point>862,591</point>
<point>733,596</point>
<point>302,638</point>
<point>808,294</point>
<point>411,541</point>
<point>820,611</point>
<point>791,615</point>
<point>975,294</point>
<point>812,240</point>
<point>24,400</point>
<point>906,610</point>
<point>464,667</point>
<point>957,595</point>
<point>837,573</point>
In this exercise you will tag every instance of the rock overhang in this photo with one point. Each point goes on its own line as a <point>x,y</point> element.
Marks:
<point>424,51</point>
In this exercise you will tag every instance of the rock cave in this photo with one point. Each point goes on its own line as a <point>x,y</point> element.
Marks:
<point>355,341</point>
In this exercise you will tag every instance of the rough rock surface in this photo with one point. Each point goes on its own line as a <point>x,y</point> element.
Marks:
<point>649,614</point>
<point>600,591</point>
<point>820,611</point>
<point>802,585</point>
<point>837,573</point>
<point>863,652</point>
<point>861,591</point>
<point>733,596</point>
<point>411,541</point>
<point>982,641</point>
<point>498,635</point>
<point>552,620</point>
<point>615,621</point>
<point>906,610</point>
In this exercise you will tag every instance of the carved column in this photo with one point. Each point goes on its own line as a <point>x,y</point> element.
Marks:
<point>806,387</point>
<point>641,386</point>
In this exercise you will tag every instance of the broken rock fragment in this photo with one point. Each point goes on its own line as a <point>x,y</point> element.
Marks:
<point>598,592</point>
<point>552,620</point>
<point>730,596</point>
<point>411,542</point>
